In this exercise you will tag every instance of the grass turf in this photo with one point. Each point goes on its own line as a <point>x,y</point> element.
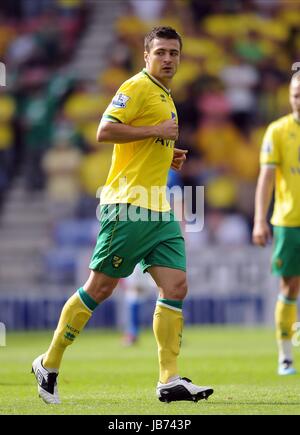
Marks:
<point>99,376</point>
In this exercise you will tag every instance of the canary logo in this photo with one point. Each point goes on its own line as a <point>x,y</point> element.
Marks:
<point>117,261</point>
<point>2,74</point>
<point>279,262</point>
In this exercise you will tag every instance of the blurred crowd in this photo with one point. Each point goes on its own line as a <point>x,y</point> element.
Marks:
<point>233,81</point>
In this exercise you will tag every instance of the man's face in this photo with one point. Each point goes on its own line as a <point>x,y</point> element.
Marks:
<point>163,59</point>
<point>295,96</point>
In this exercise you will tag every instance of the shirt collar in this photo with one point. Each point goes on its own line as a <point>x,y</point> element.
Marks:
<point>157,82</point>
<point>296,120</point>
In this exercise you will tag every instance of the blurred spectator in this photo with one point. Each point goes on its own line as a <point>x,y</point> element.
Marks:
<point>217,137</point>
<point>149,10</point>
<point>94,169</point>
<point>85,103</point>
<point>23,49</point>
<point>34,8</point>
<point>61,165</point>
<point>227,229</point>
<point>37,120</point>
<point>7,115</point>
<point>240,80</point>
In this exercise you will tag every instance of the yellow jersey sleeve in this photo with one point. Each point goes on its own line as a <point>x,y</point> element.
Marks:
<point>270,151</point>
<point>127,104</point>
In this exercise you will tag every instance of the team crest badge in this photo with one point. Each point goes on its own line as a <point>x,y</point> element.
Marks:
<point>117,261</point>
<point>279,263</point>
<point>120,101</point>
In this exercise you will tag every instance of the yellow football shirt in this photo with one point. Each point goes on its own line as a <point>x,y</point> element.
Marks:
<point>139,170</point>
<point>281,148</point>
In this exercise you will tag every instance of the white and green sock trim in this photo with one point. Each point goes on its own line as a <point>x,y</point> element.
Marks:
<point>169,303</point>
<point>86,299</point>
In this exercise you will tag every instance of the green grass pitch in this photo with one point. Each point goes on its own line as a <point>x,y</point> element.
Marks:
<point>99,376</point>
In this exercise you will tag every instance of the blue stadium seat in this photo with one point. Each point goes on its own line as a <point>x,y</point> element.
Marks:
<point>76,232</point>
<point>60,266</point>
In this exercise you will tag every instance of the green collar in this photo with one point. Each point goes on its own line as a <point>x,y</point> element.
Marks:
<point>154,80</point>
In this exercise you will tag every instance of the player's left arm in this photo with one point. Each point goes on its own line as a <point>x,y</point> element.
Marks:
<point>179,157</point>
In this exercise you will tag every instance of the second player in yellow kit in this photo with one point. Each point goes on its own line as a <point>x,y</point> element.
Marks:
<point>281,150</point>
<point>280,167</point>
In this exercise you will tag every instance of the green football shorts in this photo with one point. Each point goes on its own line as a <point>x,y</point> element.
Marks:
<point>286,252</point>
<point>131,235</point>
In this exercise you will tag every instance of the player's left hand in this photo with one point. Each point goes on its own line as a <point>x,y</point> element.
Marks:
<point>179,158</point>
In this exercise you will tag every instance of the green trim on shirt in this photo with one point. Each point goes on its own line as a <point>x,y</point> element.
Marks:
<point>156,82</point>
<point>112,118</point>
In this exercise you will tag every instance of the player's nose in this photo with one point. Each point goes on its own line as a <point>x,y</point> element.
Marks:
<point>167,58</point>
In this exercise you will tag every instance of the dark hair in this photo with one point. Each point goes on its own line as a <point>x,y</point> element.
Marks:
<point>161,33</point>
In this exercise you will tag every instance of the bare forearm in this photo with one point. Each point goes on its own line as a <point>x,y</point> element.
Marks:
<point>263,195</point>
<point>122,133</point>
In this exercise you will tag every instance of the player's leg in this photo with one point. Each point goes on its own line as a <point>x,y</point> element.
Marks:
<point>74,316</point>
<point>286,264</point>
<point>168,318</point>
<point>166,262</point>
<point>115,255</point>
<point>286,313</point>
<point>167,326</point>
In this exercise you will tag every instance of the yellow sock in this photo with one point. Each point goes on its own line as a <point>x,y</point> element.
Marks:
<point>167,327</point>
<point>74,316</point>
<point>285,316</point>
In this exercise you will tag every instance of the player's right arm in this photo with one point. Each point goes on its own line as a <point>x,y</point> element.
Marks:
<point>265,185</point>
<point>116,132</point>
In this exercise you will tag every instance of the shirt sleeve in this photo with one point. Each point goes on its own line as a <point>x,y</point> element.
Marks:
<point>270,152</point>
<point>127,104</point>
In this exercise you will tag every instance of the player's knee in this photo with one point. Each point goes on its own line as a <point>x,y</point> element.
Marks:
<point>179,290</point>
<point>100,286</point>
<point>101,292</point>
<point>289,287</point>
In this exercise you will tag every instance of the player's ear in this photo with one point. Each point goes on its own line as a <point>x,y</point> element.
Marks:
<point>146,56</point>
